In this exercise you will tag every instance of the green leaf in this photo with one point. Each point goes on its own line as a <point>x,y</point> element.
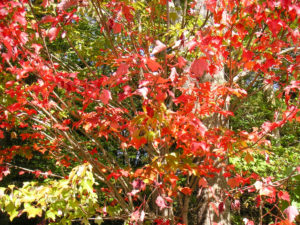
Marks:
<point>33,212</point>
<point>13,214</point>
<point>50,215</point>
<point>98,220</point>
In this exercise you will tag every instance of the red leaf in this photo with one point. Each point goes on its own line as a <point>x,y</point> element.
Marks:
<point>138,184</point>
<point>160,202</point>
<point>153,66</point>
<point>114,175</point>
<point>248,222</point>
<point>127,13</point>
<point>52,33</point>
<point>122,70</point>
<point>65,4</point>
<point>117,28</point>
<point>247,55</point>
<point>199,147</point>
<point>181,62</point>
<point>285,222</point>
<point>105,96</point>
<point>221,207</point>
<point>1,134</point>
<point>60,127</point>
<point>142,91</point>
<point>275,25</point>
<point>37,48</point>
<point>48,19</point>
<point>211,5</point>
<point>236,204</point>
<point>20,18</point>
<point>135,216</point>
<point>186,190</point>
<point>94,151</point>
<point>203,183</point>
<point>198,67</point>
<point>233,182</point>
<point>227,174</point>
<point>291,213</point>
<point>37,173</point>
<point>8,84</point>
<point>4,171</point>
<point>9,48</point>
<point>159,47</point>
<point>46,3</point>
<point>283,195</point>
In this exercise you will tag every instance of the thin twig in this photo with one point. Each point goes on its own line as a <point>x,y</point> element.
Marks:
<point>34,171</point>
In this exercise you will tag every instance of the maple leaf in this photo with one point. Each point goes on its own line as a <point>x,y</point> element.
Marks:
<point>94,151</point>
<point>48,19</point>
<point>4,171</point>
<point>181,62</point>
<point>211,5</point>
<point>135,216</point>
<point>203,183</point>
<point>1,134</point>
<point>235,205</point>
<point>291,212</point>
<point>122,69</point>
<point>284,222</point>
<point>198,67</point>
<point>113,175</point>
<point>284,195</point>
<point>37,48</point>
<point>37,173</point>
<point>186,190</point>
<point>142,91</point>
<point>126,11</point>
<point>159,47</point>
<point>117,28</point>
<point>221,207</point>
<point>233,182</point>
<point>105,96</point>
<point>52,33</point>
<point>248,222</point>
<point>46,3</point>
<point>153,66</point>
<point>138,184</point>
<point>60,127</point>
<point>196,146</point>
<point>160,202</point>
<point>65,4</point>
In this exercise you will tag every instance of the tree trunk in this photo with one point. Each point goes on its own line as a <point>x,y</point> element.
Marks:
<point>212,207</point>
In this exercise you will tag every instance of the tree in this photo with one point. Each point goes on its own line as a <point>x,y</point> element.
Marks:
<point>137,101</point>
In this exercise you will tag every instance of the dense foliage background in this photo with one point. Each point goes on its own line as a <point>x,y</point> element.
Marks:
<point>150,112</point>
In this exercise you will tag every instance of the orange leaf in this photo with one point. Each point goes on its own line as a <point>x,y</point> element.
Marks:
<point>153,66</point>
<point>186,190</point>
<point>203,182</point>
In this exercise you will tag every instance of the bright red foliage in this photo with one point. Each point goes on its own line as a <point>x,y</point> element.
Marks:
<point>171,100</point>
